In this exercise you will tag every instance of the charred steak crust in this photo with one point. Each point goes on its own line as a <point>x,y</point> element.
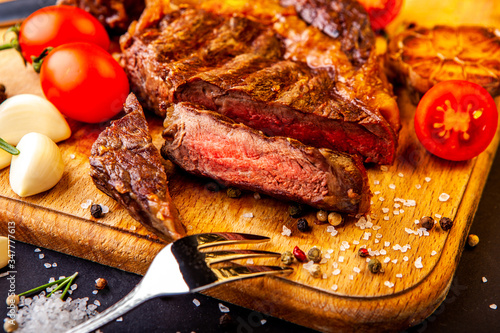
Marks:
<point>208,144</point>
<point>127,166</point>
<point>239,68</point>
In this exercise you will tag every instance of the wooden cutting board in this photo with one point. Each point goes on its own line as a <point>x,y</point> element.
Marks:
<point>348,297</point>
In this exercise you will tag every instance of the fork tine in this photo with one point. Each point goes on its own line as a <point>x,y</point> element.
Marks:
<point>220,256</point>
<point>224,238</point>
<point>236,272</point>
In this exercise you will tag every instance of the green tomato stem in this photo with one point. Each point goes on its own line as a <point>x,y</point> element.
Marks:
<point>8,148</point>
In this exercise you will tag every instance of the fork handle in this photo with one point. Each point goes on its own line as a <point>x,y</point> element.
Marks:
<point>133,299</point>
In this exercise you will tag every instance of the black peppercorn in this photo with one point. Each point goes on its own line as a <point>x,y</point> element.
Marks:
<point>212,187</point>
<point>446,223</point>
<point>296,210</point>
<point>374,266</point>
<point>226,321</point>
<point>427,222</point>
<point>233,192</point>
<point>96,211</point>
<point>302,225</point>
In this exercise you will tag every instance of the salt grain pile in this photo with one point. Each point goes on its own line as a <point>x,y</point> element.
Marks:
<point>41,314</point>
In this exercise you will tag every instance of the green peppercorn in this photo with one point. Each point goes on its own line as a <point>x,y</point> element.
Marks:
<point>472,240</point>
<point>335,219</point>
<point>12,299</point>
<point>427,222</point>
<point>314,254</point>
<point>315,270</point>
<point>374,266</point>
<point>287,258</point>
<point>233,192</point>
<point>296,210</point>
<point>10,325</point>
<point>322,216</point>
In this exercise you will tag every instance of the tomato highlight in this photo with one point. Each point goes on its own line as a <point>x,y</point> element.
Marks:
<point>456,120</point>
<point>84,82</point>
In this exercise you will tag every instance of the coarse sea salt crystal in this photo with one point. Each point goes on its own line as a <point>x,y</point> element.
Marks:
<point>249,261</point>
<point>396,212</point>
<point>433,253</point>
<point>54,264</point>
<point>335,264</point>
<point>387,244</point>
<point>401,175</point>
<point>438,216</point>
<point>336,271</point>
<point>417,221</point>
<point>395,261</point>
<point>47,265</point>
<point>38,250</point>
<point>249,215</point>
<point>72,156</point>
<point>383,252</point>
<point>341,258</point>
<point>86,204</point>
<point>334,287</point>
<point>493,306</point>
<point>386,218</point>
<point>384,168</point>
<point>389,284</point>
<point>355,242</point>
<point>196,302</point>
<point>484,279</point>
<point>399,275</point>
<point>443,197</point>
<point>379,236</point>
<point>405,258</point>
<point>410,203</point>
<point>351,277</point>
<point>356,269</point>
<point>376,182</point>
<point>223,308</point>
<point>392,186</point>
<point>386,260</point>
<point>427,179</point>
<point>96,302</point>
<point>377,241</point>
<point>418,186</point>
<point>396,205</point>
<point>418,263</point>
<point>41,256</point>
<point>286,231</point>
<point>119,319</point>
<point>376,227</point>
<point>95,292</point>
<point>381,198</point>
<point>263,321</point>
<point>377,192</point>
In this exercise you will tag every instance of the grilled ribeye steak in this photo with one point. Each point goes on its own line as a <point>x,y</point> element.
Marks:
<point>127,166</point>
<point>278,75</point>
<point>208,144</point>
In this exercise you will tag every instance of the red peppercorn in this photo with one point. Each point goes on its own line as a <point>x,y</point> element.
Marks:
<point>363,252</point>
<point>299,254</point>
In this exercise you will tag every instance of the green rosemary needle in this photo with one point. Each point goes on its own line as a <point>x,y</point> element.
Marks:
<point>8,148</point>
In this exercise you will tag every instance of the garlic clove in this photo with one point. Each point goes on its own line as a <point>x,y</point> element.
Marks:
<point>5,158</point>
<point>38,167</point>
<point>25,113</point>
<point>4,251</point>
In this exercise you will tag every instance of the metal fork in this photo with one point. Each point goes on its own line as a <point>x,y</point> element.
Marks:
<point>181,268</point>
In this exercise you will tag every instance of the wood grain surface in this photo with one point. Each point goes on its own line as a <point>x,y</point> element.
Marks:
<point>347,297</point>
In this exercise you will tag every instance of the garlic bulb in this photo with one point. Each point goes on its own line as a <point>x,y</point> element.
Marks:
<point>38,167</point>
<point>25,113</point>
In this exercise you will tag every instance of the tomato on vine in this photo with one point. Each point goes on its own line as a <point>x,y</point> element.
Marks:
<point>382,12</point>
<point>54,26</point>
<point>84,82</point>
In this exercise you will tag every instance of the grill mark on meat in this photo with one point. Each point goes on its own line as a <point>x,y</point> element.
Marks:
<point>208,144</point>
<point>253,83</point>
<point>127,166</point>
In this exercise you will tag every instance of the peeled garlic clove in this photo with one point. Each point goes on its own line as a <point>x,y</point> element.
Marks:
<point>38,167</point>
<point>4,251</point>
<point>5,158</point>
<point>25,113</point>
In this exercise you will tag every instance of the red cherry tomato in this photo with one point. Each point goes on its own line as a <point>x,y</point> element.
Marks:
<point>382,12</point>
<point>456,120</point>
<point>58,25</point>
<point>84,82</point>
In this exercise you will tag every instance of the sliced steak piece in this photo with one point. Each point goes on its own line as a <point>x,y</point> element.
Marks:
<point>285,78</point>
<point>208,144</point>
<point>127,166</point>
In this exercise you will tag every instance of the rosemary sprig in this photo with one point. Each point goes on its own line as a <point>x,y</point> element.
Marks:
<point>67,281</point>
<point>8,148</point>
